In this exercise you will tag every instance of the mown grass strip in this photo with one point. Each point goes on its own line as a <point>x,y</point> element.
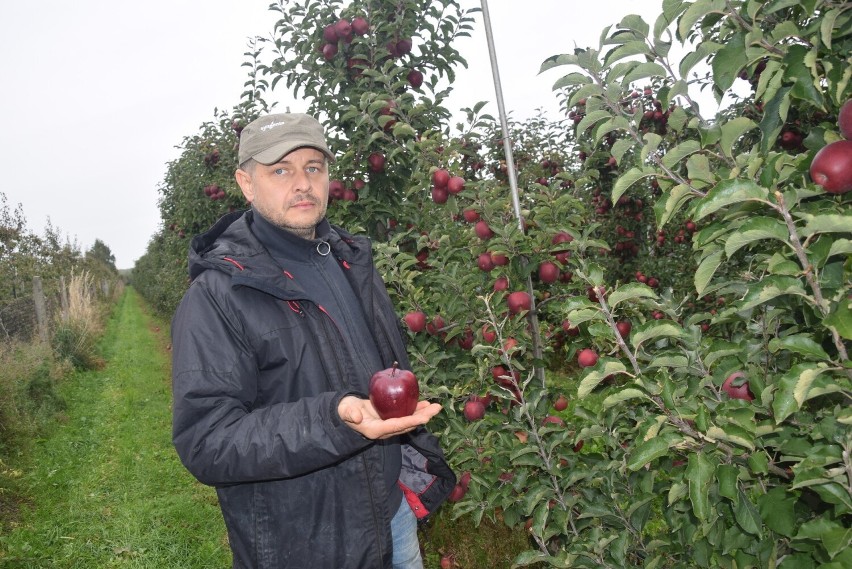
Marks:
<point>106,487</point>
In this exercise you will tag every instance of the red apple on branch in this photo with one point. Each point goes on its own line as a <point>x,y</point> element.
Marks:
<point>455,184</point>
<point>587,357</point>
<point>844,120</point>
<point>474,410</point>
<point>416,321</point>
<point>624,327</point>
<point>482,230</point>
<point>376,162</point>
<point>739,391</point>
<point>440,178</point>
<point>394,392</point>
<point>548,272</point>
<point>360,26</point>
<point>831,167</point>
<point>518,301</point>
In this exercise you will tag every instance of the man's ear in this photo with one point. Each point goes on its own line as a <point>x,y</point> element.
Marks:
<point>244,182</point>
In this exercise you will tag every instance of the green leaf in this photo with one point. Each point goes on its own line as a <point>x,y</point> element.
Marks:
<point>756,229</point>
<point>643,70</point>
<point>705,271</point>
<point>699,474</point>
<point>733,434</point>
<point>841,318</point>
<point>652,449</point>
<point>636,47</point>
<point>630,291</point>
<point>670,203</point>
<point>777,510</point>
<point>828,223</point>
<point>695,12</point>
<point>626,180</point>
<point>570,79</point>
<point>841,247</point>
<point>669,361</point>
<point>623,395</point>
<point>592,118</point>
<point>652,142</point>
<point>732,131</point>
<point>698,168</point>
<point>799,343</point>
<point>826,26</point>
<point>774,117</point>
<point>535,496</point>
<point>654,329</point>
<point>747,515</point>
<point>728,192</point>
<point>533,557</point>
<point>792,389</point>
<point>729,60</point>
<point>614,123</point>
<point>621,146</point>
<point>770,288</point>
<point>679,152</point>
<point>596,375</point>
<point>796,69</point>
<point>726,475</point>
<point>704,50</point>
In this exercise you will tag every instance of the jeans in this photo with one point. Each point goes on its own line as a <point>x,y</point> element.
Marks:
<point>406,547</point>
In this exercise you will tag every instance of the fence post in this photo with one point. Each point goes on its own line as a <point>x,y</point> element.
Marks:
<point>40,308</point>
<point>63,297</point>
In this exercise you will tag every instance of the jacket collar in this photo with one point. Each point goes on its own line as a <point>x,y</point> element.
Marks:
<point>283,244</point>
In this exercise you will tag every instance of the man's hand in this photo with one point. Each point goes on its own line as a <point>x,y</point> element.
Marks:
<point>362,416</point>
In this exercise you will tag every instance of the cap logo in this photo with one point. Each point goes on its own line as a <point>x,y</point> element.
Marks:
<point>271,125</point>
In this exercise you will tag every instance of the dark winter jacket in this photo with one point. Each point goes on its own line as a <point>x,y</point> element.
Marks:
<point>258,372</point>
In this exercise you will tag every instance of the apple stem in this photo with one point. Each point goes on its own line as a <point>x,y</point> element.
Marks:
<point>394,366</point>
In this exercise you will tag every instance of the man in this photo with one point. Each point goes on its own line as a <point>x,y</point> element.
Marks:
<point>274,344</point>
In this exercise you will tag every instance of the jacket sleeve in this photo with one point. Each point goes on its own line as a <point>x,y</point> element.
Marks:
<point>218,436</point>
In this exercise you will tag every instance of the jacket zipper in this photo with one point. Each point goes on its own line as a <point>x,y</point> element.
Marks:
<point>364,462</point>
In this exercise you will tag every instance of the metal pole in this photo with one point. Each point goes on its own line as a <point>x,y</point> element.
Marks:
<point>513,182</point>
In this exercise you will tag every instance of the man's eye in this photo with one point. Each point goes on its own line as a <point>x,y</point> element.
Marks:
<point>313,169</point>
<point>279,171</point>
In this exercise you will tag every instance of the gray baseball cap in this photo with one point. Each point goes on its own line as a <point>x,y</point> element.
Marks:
<point>270,137</point>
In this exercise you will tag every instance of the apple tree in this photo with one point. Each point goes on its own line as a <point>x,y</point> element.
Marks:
<point>736,434</point>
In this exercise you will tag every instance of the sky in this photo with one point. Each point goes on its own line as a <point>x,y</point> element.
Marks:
<point>97,95</point>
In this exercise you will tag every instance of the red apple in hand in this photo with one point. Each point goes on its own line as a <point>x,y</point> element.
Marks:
<point>394,392</point>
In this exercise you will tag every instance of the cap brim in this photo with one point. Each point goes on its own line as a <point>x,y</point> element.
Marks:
<point>274,153</point>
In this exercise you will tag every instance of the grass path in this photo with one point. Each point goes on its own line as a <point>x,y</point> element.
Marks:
<point>105,486</point>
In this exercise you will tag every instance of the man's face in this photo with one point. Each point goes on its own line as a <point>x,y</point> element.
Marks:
<point>292,193</point>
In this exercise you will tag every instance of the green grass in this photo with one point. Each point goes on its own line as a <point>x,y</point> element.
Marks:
<point>104,487</point>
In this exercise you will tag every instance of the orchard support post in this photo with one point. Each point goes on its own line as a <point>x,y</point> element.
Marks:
<point>513,181</point>
<point>40,308</point>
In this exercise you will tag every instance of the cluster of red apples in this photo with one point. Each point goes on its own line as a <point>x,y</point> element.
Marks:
<point>214,192</point>
<point>344,32</point>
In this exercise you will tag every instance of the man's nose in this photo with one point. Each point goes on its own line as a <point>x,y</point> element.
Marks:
<point>301,181</point>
